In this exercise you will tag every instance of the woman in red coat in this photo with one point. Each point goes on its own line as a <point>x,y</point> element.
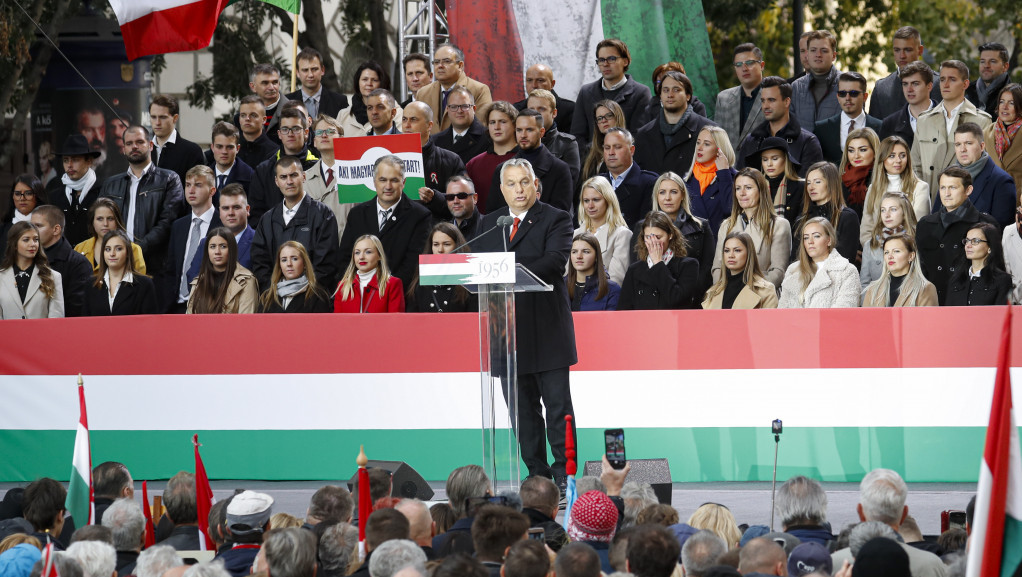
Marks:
<point>367,286</point>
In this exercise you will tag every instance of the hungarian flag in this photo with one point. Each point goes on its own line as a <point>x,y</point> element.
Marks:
<point>355,157</point>
<point>203,498</point>
<point>571,468</point>
<point>996,547</point>
<point>80,500</point>
<point>150,527</point>
<point>365,500</point>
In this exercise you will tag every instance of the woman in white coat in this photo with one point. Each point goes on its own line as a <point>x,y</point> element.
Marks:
<point>600,214</point>
<point>29,289</point>
<point>821,278</point>
<point>752,211</point>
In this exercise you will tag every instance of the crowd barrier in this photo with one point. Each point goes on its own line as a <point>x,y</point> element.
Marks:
<point>290,397</point>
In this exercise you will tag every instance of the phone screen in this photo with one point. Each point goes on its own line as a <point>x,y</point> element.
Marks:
<point>615,443</point>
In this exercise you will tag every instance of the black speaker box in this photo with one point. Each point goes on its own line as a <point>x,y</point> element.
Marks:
<point>656,472</point>
<point>407,482</point>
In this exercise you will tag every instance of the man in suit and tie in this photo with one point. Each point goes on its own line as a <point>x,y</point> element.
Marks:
<point>316,98</point>
<point>833,132</point>
<point>888,96</point>
<point>545,334</point>
<point>171,150</point>
<point>449,68</point>
<point>417,74</point>
<point>186,239</point>
<point>381,107</point>
<point>632,185</point>
<point>466,136</point>
<point>541,77</point>
<point>227,167</point>
<point>738,108</point>
<point>401,224</point>
<point>916,84</point>
<point>233,211</point>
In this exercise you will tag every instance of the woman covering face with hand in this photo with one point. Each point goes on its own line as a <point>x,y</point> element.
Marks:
<point>663,277</point>
<point>293,287</point>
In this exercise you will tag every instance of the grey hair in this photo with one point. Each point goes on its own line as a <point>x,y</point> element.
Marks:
<point>419,520</point>
<point>519,162</point>
<point>156,560</point>
<point>179,498</point>
<point>290,552</point>
<point>801,500</point>
<point>384,94</point>
<point>457,51</point>
<point>463,180</point>
<point>391,159</point>
<point>701,552</point>
<point>124,518</point>
<point>882,494</point>
<point>956,567</point>
<point>586,484</point>
<point>395,555</point>
<point>464,483</point>
<point>210,569</point>
<point>97,559</point>
<point>623,132</point>
<point>66,565</point>
<point>637,496</point>
<point>865,532</point>
<point>336,547</point>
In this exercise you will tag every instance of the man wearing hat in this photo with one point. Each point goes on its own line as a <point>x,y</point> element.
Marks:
<point>594,521</point>
<point>77,189</point>
<point>248,518</point>
<point>809,557</point>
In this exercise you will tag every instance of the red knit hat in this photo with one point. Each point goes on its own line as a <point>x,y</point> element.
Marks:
<point>593,518</point>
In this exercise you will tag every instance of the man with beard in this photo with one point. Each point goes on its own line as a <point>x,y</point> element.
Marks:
<point>90,122</point>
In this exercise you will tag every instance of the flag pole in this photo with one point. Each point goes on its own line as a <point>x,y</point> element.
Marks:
<point>294,50</point>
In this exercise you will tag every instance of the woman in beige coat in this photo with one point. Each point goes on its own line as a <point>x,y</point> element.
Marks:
<point>742,286</point>
<point>29,289</point>
<point>902,283</point>
<point>752,212</point>
<point>1002,136</point>
<point>223,286</point>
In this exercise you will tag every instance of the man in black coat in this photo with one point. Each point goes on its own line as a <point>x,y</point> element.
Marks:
<point>669,141</point>
<point>632,184</point>
<point>405,223</point>
<point>613,59</point>
<point>187,240</point>
<point>560,144</point>
<point>264,192</point>
<point>466,136</point>
<point>76,190</point>
<point>299,218</point>
<point>254,146</point>
<point>171,150</point>
<point>833,132</point>
<point>461,201</point>
<point>916,85</point>
<point>553,173</point>
<point>438,164</point>
<point>75,270</point>
<point>545,332</point>
<point>541,76</point>
<point>316,98</point>
<point>803,146</point>
<point>939,235</point>
<point>227,167</point>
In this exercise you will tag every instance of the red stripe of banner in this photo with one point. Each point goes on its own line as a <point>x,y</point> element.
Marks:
<point>180,29</point>
<point>452,258</point>
<point>476,27</point>
<point>414,343</point>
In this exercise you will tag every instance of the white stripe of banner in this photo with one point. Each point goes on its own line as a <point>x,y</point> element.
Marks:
<point>636,399</point>
<point>562,35</point>
<point>130,10</point>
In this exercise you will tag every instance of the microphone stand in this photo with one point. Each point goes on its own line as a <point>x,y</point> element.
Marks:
<point>773,488</point>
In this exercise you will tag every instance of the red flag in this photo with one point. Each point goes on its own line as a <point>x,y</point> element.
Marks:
<point>203,498</point>
<point>571,467</point>
<point>150,528</point>
<point>49,567</point>
<point>365,499</point>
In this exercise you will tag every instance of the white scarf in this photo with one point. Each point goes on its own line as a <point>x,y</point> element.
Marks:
<point>364,278</point>
<point>83,183</point>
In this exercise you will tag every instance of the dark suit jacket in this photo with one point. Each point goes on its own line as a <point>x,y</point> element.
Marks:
<point>75,275</point>
<point>899,124</point>
<point>553,174</point>
<point>180,156</point>
<point>564,147</point>
<point>330,103</point>
<point>76,222</point>
<point>545,329</point>
<point>828,131</point>
<point>635,193</point>
<point>565,112</point>
<point>473,143</point>
<point>403,236</point>
<point>888,96</point>
<point>940,247</point>
<point>633,97</point>
<point>135,298</point>
<point>655,155</point>
<point>240,173</point>
<point>993,192</point>
<point>170,279</point>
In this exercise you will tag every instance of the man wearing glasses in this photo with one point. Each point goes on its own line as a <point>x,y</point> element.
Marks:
<point>466,136</point>
<point>833,131</point>
<point>738,108</point>
<point>612,59</point>
<point>449,69</point>
<point>294,136</point>
<point>461,201</point>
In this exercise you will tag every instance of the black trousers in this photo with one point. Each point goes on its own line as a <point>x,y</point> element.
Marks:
<point>549,389</point>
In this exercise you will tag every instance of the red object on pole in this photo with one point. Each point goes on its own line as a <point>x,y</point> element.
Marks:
<point>365,498</point>
<point>203,498</point>
<point>150,528</point>
<point>571,467</point>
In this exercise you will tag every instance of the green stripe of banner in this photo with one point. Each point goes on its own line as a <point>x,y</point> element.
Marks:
<point>77,502</point>
<point>444,279</point>
<point>292,6</point>
<point>1011,557</point>
<point>360,193</point>
<point>695,454</point>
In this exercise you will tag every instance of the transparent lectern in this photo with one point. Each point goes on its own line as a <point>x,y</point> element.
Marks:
<point>495,277</point>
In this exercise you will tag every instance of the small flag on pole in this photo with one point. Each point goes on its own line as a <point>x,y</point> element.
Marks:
<point>150,528</point>
<point>571,467</point>
<point>203,498</point>
<point>365,500</point>
<point>80,500</point>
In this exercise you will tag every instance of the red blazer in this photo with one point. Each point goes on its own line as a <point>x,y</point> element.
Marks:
<point>393,300</point>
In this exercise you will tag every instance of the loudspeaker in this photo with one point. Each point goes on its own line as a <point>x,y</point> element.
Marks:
<point>656,472</point>
<point>407,482</point>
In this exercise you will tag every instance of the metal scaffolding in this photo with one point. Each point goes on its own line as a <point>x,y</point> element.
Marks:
<point>422,26</point>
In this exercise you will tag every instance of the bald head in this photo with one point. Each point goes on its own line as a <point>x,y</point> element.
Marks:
<point>539,76</point>
<point>763,556</point>
<point>417,119</point>
<point>419,520</point>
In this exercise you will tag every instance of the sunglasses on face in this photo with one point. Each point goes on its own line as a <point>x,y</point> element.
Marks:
<point>459,195</point>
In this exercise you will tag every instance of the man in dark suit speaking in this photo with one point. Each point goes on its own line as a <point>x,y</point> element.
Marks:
<point>541,240</point>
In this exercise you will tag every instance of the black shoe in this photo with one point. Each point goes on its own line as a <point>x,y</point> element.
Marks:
<point>562,486</point>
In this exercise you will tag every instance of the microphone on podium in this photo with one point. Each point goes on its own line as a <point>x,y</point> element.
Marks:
<point>501,223</point>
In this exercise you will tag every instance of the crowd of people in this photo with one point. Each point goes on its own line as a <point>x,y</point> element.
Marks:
<point>615,527</point>
<point>792,195</point>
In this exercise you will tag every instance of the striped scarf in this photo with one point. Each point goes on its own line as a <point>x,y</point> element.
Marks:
<point>1003,135</point>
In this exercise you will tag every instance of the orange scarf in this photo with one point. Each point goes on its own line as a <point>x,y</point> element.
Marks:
<point>704,172</point>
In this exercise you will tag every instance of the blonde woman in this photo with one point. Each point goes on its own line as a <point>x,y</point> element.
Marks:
<point>857,160</point>
<point>902,283</point>
<point>743,285</point>
<point>821,278</point>
<point>711,178</point>
<point>671,198</point>
<point>896,217</point>
<point>753,213</point>
<point>367,285</point>
<point>895,175</point>
<point>293,287</point>
<point>717,519</point>
<point>600,214</point>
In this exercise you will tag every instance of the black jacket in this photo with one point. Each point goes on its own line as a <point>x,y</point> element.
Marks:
<point>136,298</point>
<point>553,174</point>
<point>992,287</point>
<point>75,275</point>
<point>471,144</point>
<point>471,226</point>
<point>563,146</point>
<point>940,247</point>
<point>699,244</point>
<point>301,304</point>
<point>672,285</point>
<point>635,193</point>
<point>899,124</point>
<point>330,103</point>
<point>438,166</point>
<point>828,132</point>
<point>256,151</point>
<point>180,156</point>
<point>183,538</point>
<point>652,153</point>
<point>633,98</point>
<point>847,233</point>
<point>439,299</point>
<point>314,226</point>
<point>565,111</point>
<point>76,222</point>
<point>159,198</point>
<point>403,236</point>
<point>241,173</point>
<point>803,146</point>
<point>263,193</point>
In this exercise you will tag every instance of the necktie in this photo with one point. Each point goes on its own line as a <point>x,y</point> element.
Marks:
<point>443,101</point>
<point>514,228</point>
<point>457,137</point>
<point>75,205</point>
<point>220,180</point>
<point>851,127</point>
<point>384,215</point>
<point>312,107</point>
<point>329,177</point>
<point>193,242</point>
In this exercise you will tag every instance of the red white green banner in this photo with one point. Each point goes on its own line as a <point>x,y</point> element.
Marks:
<point>357,155</point>
<point>80,500</point>
<point>162,26</point>
<point>467,268</point>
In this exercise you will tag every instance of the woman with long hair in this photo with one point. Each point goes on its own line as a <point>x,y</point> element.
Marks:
<point>600,214</point>
<point>671,197</point>
<point>223,286</point>
<point>105,216</point>
<point>893,173</point>
<point>29,288</point>
<point>119,289</point>
<point>1000,135</point>
<point>824,199</point>
<point>718,520</point>
<point>896,217</point>
<point>857,160</point>
<point>367,285</point>
<point>820,278</point>
<point>743,285</point>
<point>608,114</point>
<point>590,288</point>
<point>753,213</point>
<point>442,239</point>
<point>664,277</point>
<point>27,193</point>
<point>354,119</point>
<point>983,281</point>
<point>293,287</point>
<point>902,283</point>
<point>787,188</point>
<point>711,178</point>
